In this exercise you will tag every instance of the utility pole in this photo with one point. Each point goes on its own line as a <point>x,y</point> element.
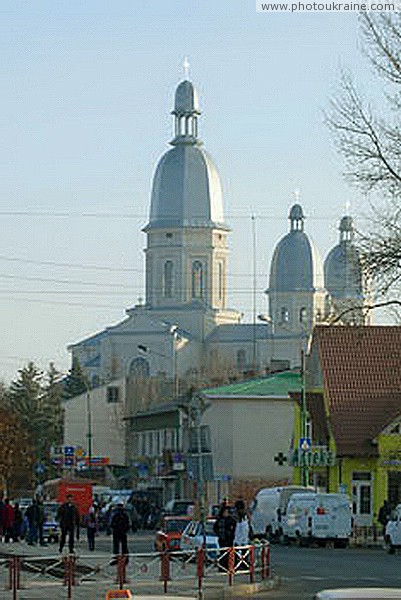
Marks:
<point>89,423</point>
<point>304,466</point>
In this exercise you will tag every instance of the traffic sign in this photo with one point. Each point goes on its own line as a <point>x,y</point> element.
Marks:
<point>305,444</point>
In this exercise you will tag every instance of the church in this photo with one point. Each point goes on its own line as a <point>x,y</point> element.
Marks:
<point>184,330</point>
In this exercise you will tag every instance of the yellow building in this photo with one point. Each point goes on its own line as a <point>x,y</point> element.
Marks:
<point>353,402</point>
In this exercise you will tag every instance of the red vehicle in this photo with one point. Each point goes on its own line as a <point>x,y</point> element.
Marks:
<point>81,492</point>
<point>168,537</point>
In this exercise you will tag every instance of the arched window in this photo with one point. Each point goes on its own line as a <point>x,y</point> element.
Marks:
<point>221,280</point>
<point>241,360</point>
<point>197,279</point>
<point>168,279</point>
<point>302,315</point>
<point>285,315</point>
<point>139,368</point>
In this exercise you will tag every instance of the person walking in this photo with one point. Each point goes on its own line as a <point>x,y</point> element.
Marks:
<point>120,526</point>
<point>8,520</point>
<point>41,520</point>
<point>18,520</point>
<point>224,528</point>
<point>32,516</point>
<point>241,537</point>
<point>68,517</point>
<point>91,522</point>
<point>384,515</point>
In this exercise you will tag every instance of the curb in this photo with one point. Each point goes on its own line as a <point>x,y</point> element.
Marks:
<point>243,589</point>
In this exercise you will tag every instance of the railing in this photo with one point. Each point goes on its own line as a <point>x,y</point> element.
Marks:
<point>67,575</point>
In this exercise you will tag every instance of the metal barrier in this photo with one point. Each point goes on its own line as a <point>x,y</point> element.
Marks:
<point>73,572</point>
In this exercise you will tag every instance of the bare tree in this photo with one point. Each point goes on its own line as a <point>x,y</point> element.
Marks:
<point>370,140</point>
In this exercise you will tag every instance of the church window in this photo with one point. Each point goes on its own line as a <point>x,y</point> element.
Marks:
<point>139,368</point>
<point>241,360</point>
<point>285,315</point>
<point>168,279</point>
<point>197,279</point>
<point>302,315</point>
<point>113,395</point>
<point>221,280</point>
<point>318,315</point>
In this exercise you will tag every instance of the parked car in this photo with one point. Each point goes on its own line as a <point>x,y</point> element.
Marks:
<point>168,537</point>
<point>392,536</point>
<point>268,508</point>
<point>318,517</point>
<point>193,538</point>
<point>179,508</point>
<point>360,594</point>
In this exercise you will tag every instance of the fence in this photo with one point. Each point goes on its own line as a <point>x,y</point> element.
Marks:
<point>66,576</point>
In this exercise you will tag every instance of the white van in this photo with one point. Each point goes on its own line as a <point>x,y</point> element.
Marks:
<point>318,517</point>
<point>269,507</point>
<point>392,535</point>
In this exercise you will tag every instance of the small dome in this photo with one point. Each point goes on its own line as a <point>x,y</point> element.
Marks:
<point>186,99</point>
<point>342,267</point>
<point>296,213</point>
<point>186,190</point>
<point>346,224</point>
<point>296,264</point>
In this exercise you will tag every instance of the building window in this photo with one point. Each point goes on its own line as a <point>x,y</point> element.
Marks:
<point>302,315</point>
<point>168,279</point>
<point>169,236</point>
<point>241,360</point>
<point>139,368</point>
<point>285,315</point>
<point>221,280</point>
<point>113,394</point>
<point>197,279</point>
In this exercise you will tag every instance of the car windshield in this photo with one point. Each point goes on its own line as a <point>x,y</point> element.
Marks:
<point>209,528</point>
<point>176,525</point>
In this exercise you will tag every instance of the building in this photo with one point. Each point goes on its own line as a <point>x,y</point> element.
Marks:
<point>354,405</point>
<point>185,328</point>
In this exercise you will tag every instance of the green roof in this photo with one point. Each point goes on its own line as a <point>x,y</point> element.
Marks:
<point>279,384</point>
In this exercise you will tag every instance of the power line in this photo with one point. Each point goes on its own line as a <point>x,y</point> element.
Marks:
<point>69,265</point>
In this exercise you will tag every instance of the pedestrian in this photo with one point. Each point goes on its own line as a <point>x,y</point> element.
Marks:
<point>32,516</point>
<point>120,526</point>
<point>224,528</point>
<point>384,515</point>
<point>18,521</point>
<point>8,520</point>
<point>41,520</point>
<point>91,523</point>
<point>1,517</point>
<point>68,517</point>
<point>241,537</point>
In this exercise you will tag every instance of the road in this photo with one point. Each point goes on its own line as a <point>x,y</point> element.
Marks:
<point>304,571</point>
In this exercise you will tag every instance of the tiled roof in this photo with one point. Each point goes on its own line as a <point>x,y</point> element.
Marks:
<point>279,384</point>
<point>361,369</point>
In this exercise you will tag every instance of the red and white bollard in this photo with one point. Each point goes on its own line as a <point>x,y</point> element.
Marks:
<point>200,569</point>
<point>165,569</point>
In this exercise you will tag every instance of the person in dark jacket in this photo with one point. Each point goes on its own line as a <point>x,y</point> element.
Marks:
<point>8,520</point>
<point>224,527</point>
<point>18,520</point>
<point>384,515</point>
<point>32,515</point>
<point>120,526</point>
<point>68,517</point>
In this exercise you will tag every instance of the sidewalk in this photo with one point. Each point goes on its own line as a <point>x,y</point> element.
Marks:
<point>43,568</point>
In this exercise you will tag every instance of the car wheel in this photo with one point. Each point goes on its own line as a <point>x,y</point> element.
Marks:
<point>340,543</point>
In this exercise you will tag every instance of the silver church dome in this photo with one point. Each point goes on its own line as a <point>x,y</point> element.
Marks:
<point>186,186</point>
<point>342,267</point>
<point>296,264</point>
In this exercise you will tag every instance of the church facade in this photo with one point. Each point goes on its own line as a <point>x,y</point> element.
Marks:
<point>185,330</point>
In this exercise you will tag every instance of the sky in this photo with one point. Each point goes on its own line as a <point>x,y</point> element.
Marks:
<point>86,94</point>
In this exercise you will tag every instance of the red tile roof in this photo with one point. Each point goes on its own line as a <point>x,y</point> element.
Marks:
<point>361,369</point>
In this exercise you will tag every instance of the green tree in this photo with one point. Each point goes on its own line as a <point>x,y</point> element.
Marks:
<point>76,382</point>
<point>369,138</point>
<point>25,400</point>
